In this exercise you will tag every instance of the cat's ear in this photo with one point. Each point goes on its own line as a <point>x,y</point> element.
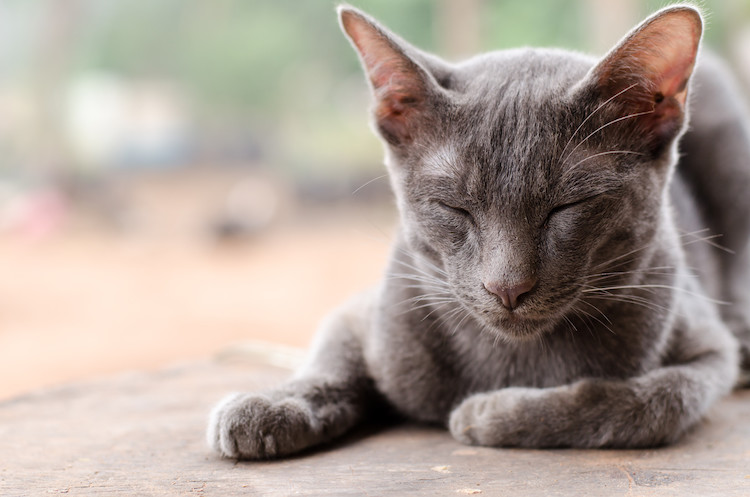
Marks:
<point>400,85</point>
<point>650,68</point>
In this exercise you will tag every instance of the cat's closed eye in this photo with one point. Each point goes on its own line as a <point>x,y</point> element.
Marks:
<point>457,211</point>
<point>566,207</point>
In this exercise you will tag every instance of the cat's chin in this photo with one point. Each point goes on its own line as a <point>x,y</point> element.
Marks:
<point>517,328</point>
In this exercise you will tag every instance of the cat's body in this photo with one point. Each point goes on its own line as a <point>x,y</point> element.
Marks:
<point>548,286</point>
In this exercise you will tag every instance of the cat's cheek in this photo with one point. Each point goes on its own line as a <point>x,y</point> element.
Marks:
<point>449,236</point>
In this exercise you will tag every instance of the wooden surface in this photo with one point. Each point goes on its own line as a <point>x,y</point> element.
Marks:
<point>143,434</point>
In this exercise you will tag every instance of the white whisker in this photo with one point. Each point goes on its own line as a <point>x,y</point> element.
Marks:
<point>654,287</point>
<point>597,320</point>
<point>611,152</point>
<point>610,123</point>
<point>367,183</point>
<point>590,116</point>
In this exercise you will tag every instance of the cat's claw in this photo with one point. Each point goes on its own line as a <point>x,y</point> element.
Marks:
<point>247,426</point>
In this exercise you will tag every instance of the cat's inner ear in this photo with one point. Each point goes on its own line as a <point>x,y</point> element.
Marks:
<point>399,84</point>
<point>649,70</point>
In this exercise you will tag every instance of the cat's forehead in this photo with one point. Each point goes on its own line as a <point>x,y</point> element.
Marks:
<point>513,117</point>
<point>518,98</point>
<point>512,111</point>
<point>528,73</point>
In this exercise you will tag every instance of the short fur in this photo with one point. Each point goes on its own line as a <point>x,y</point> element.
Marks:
<point>555,280</point>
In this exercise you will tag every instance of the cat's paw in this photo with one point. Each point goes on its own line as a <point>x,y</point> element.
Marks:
<point>487,418</point>
<point>248,426</point>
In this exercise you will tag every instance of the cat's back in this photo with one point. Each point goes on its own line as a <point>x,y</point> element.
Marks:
<point>714,166</point>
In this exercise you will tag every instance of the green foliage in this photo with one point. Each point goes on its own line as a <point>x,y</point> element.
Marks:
<point>277,67</point>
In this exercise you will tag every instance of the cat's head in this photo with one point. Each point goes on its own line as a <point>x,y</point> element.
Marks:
<point>521,173</point>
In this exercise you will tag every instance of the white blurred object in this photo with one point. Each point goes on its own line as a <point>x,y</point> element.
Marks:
<point>741,54</point>
<point>111,121</point>
<point>32,214</point>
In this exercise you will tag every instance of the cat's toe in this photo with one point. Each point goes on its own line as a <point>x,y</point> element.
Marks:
<point>460,426</point>
<point>466,423</point>
<point>489,419</point>
<point>253,427</point>
<point>225,425</point>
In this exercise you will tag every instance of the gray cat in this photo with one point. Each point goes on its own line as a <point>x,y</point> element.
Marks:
<point>555,281</point>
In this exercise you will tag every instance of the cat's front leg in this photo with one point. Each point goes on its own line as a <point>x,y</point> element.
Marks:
<point>328,396</point>
<point>649,410</point>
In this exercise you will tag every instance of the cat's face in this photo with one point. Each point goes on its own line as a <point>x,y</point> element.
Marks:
<point>524,175</point>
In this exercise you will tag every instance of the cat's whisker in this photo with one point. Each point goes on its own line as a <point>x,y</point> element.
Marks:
<point>429,296</point>
<point>586,320</point>
<point>455,329</point>
<point>622,297</point>
<point>418,283</point>
<point>629,299</point>
<point>420,276</point>
<point>432,303</point>
<point>610,123</point>
<point>414,255</point>
<point>597,320</point>
<point>421,304</point>
<point>422,259</point>
<point>417,269</point>
<point>708,240</point>
<point>373,180</point>
<point>438,307</point>
<point>653,287</point>
<point>646,270</point>
<point>422,286</point>
<point>592,115</point>
<point>448,316</point>
<point>611,152</point>
<point>609,263</point>
<point>570,323</point>
<point>635,251</point>
<point>435,304</point>
<point>542,341</point>
<point>618,276</point>
<point>597,310</point>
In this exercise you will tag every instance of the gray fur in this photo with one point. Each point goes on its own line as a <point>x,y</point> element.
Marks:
<point>513,167</point>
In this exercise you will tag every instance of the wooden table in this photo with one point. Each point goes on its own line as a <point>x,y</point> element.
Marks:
<point>143,434</point>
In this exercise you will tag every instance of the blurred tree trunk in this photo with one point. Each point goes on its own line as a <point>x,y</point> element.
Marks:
<point>738,40</point>
<point>52,64</point>
<point>608,21</point>
<point>457,28</point>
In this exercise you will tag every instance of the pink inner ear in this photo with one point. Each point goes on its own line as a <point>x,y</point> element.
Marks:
<point>662,51</point>
<point>386,66</point>
<point>398,82</point>
<point>672,61</point>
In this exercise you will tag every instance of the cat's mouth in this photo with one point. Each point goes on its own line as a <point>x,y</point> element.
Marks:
<point>521,326</point>
<point>529,320</point>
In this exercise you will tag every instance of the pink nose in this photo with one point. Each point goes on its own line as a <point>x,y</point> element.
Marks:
<point>509,294</point>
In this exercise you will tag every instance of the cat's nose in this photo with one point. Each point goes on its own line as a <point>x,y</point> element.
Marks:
<point>509,294</point>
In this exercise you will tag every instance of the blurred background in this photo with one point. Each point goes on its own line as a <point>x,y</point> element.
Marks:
<point>182,175</point>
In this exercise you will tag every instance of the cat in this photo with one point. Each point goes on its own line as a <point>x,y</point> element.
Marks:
<point>555,280</point>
